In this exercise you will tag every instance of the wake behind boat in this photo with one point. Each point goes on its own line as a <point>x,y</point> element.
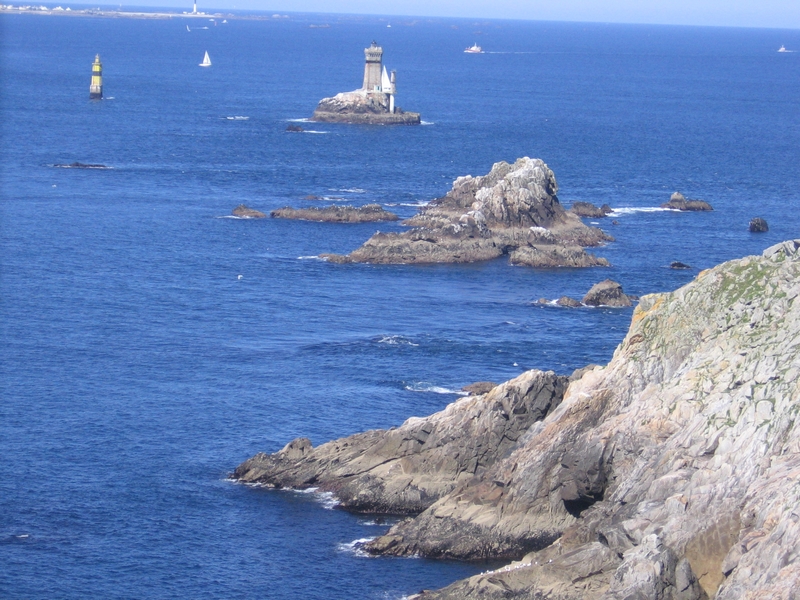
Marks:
<point>474,49</point>
<point>206,61</point>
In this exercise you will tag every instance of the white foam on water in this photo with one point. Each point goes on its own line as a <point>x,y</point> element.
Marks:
<point>427,123</point>
<point>323,259</point>
<point>424,386</point>
<point>630,210</point>
<point>237,118</point>
<point>327,499</point>
<point>354,547</point>
<point>396,340</point>
<point>304,120</point>
<point>350,190</point>
<point>314,131</point>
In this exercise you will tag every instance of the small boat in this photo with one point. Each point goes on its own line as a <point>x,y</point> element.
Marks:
<point>206,61</point>
<point>474,49</point>
<point>782,49</point>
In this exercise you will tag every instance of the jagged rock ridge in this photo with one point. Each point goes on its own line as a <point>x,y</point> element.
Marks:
<point>512,210</point>
<point>674,472</point>
<point>405,470</point>
<point>671,473</point>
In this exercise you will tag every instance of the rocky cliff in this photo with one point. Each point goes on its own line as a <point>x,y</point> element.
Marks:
<point>513,210</point>
<point>671,473</point>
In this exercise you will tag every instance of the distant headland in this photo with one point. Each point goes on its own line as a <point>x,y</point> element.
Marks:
<point>120,14</point>
<point>373,104</point>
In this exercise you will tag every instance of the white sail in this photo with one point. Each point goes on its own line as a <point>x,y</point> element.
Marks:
<point>386,84</point>
<point>206,61</point>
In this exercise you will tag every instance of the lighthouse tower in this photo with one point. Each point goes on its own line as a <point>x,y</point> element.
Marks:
<point>96,88</point>
<point>372,68</point>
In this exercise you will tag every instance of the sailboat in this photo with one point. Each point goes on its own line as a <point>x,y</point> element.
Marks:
<point>206,61</point>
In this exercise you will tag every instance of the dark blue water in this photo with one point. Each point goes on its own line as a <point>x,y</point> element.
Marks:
<point>139,368</point>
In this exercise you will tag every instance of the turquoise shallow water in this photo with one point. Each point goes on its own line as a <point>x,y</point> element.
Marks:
<point>137,366</point>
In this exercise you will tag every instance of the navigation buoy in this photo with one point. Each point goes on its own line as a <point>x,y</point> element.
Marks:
<point>96,88</point>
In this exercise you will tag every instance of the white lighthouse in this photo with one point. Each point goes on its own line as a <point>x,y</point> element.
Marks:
<point>387,87</point>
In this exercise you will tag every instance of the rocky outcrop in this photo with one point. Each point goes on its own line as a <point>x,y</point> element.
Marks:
<point>245,212</point>
<point>80,165</point>
<point>369,213</point>
<point>676,264</point>
<point>567,302</point>
<point>479,387</point>
<point>405,470</point>
<point>589,210</point>
<point>673,472</point>
<point>678,202</point>
<point>758,225</point>
<point>362,107</point>
<point>512,211</point>
<point>606,293</point>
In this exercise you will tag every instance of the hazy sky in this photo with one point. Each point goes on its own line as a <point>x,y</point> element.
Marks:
<point>744,13</point>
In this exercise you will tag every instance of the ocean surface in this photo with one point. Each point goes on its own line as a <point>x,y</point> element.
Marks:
<point>150,342</point>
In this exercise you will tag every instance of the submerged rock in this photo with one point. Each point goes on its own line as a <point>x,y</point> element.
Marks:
<point>80,165</point>
<point>758,225</point>
<point>246,212</point>
<point>368,213</point>
<point>678,202</point>
<point>676,264</point>
<point>513,210</point>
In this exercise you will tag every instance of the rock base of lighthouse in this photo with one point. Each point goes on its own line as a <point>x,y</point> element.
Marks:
<point>360,107</point>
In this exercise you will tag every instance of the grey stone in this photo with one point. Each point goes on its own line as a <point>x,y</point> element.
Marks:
<point>606,293</point>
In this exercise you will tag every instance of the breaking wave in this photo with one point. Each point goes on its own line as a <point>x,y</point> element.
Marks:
<point>618,212</point>
<point>424,386</point>
<point>355,547</point>
<point>395,340</point>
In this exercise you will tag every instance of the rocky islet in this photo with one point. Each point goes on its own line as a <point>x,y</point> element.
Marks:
<point>513,210</point>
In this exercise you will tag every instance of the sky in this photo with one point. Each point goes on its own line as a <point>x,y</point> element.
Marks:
<point>735,13</point>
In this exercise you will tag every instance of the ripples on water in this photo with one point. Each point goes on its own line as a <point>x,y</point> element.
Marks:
<point>150,346</point>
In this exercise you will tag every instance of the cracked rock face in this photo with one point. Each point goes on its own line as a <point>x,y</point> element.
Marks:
<point>513,210</point>
<point>673,472</point>
<point>405,470</point>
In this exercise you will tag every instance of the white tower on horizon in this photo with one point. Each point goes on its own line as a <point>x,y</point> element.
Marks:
<point>194,12</point>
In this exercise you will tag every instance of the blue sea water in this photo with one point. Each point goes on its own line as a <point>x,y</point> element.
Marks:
<point>150,343</point>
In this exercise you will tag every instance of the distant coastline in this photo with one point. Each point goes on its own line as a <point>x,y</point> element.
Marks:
<point>67,11</point>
